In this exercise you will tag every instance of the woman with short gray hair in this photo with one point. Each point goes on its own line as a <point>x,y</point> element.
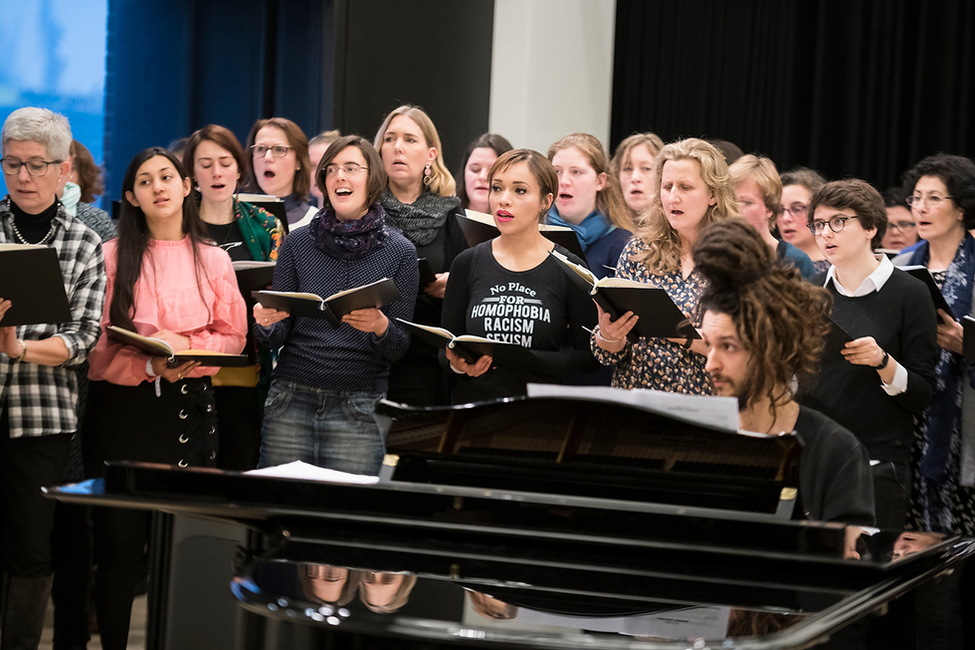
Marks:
<point>38,382</point>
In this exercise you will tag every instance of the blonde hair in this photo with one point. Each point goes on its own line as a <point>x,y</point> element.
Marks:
<point>441,180</point>
<point>761,170</point>
<point>662,242</point>
<point>609,200</point>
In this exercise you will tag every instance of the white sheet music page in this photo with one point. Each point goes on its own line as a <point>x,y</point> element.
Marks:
<point>302,470</point>
<point>719,413</point>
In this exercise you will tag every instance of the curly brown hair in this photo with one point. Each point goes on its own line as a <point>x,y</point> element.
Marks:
<point>781,319</point>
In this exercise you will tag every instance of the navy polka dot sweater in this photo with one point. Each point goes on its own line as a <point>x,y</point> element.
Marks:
<point>343,359</point>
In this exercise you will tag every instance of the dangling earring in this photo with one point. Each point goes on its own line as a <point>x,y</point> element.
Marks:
<point>427,178</point>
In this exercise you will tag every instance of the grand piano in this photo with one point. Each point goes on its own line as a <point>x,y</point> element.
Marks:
<point>554,521</point>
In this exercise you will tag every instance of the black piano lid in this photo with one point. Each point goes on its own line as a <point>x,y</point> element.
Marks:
<point>534,527</point>
<point>270,503</point>
<point>644,448</point>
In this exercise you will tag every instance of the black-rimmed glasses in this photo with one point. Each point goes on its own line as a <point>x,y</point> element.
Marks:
<point>277,151</point>
<point>35,166</point>
<point>836,224</point>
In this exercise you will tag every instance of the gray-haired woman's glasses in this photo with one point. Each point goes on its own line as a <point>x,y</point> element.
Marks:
<point>35,166</point>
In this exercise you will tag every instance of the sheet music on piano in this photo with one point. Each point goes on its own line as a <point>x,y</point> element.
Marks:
<point>713,411</point>
<point>720,413</point>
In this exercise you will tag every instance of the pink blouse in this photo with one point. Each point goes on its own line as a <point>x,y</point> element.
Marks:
<point>169,296</point>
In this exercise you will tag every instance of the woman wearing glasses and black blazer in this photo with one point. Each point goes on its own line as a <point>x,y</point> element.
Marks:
<point>883,378</point>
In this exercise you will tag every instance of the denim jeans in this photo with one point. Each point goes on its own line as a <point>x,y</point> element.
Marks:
<point>326,428</point>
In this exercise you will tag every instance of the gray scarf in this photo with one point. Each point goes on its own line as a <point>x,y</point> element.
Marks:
<point>421,220</point>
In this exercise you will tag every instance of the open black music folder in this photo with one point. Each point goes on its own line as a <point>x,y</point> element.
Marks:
<point>30,278</point>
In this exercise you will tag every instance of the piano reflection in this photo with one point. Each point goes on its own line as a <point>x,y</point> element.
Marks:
<point>556,522</point>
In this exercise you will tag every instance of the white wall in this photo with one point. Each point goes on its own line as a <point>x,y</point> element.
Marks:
<point>551,70</point>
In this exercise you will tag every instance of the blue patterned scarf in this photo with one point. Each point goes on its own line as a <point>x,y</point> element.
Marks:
<point>589,231</point>
<point>942,421</point>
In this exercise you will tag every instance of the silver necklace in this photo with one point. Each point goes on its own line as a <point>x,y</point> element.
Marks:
<point>50,233</point>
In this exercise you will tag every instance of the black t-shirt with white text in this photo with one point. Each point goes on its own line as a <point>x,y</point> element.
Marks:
<point>536,309</point>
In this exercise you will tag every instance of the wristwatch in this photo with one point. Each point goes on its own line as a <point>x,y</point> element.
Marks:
<point>883,363</point>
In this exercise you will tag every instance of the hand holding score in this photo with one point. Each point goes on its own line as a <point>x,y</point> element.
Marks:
<point>367,320</point>
<point>177,342</point>
<point>438,286</point>
<point>160,365</point>
<point>950,332</point>
<point>161,368</point>
<point>611,335</point>
<point>266,317</point>
<point>864,351</point>
<point>476,369</point>
<point>9,344</point>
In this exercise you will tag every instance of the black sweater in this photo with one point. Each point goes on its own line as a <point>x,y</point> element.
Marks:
<point>901,318</point>
<point>835,483</point>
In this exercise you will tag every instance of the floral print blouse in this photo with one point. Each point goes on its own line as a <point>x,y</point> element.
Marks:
<point>656,363</point>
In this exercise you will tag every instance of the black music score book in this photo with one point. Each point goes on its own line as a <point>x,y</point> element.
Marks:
<point>924,275</point>
<point>253,275</point>
<point>426,272</point>
<point>968,338</point>
<point>30,278</point>
<point>333,308</point>
<point>479,227</point>
<point>659,316</point>
<point>835,341</point>
<point>272,204</point>
<point>471,347</point>
<point>159,348</point>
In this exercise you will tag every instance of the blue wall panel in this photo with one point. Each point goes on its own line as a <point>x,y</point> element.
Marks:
<point>54,57</point>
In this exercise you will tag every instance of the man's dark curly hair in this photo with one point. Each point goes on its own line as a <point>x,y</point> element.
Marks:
<point>781,319</point>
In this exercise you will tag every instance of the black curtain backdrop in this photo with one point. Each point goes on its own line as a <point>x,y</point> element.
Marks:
<point>435,54</point>
<point>861,88</point>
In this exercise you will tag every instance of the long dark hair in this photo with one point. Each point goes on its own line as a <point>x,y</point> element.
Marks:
<point>133,239</point>
<point>497,143</point>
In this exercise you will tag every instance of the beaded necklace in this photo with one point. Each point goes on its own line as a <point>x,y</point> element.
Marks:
<point>44,239</point>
